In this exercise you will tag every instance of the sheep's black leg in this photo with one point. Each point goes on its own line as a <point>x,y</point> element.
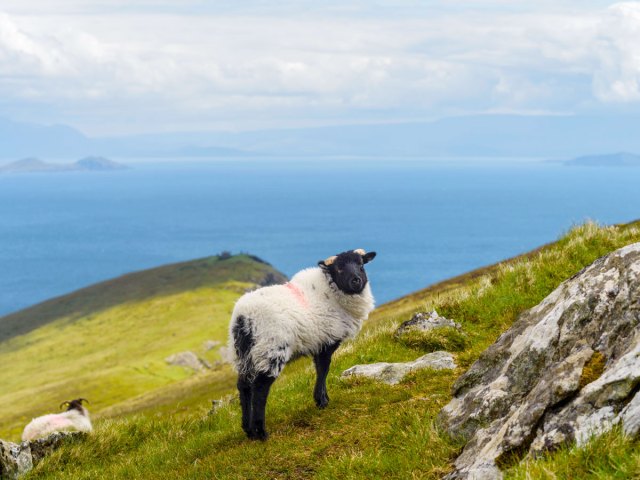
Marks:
<point>244,388</point>
<point>322,362</point>
<point>243,342</point>
<point>259,393</point>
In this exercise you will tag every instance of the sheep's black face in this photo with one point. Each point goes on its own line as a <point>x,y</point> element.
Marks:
<point>74,404</point>
<point>347,270</point>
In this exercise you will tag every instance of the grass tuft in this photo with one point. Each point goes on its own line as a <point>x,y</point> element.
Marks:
<point>612,455</point>
<point>443,338</point>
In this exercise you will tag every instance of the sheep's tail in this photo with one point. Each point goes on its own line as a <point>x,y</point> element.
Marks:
<point>243,342</point>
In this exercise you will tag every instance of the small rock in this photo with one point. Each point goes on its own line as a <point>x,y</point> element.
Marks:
<point>210,345</point>
<point>226,354</point>
<point>424,321</point>
<point>221,402</point>
<point>188,359</point>
<point>393,373</point>
<point>42,447</point>
<point>215,405</point>
<point>15,459</point>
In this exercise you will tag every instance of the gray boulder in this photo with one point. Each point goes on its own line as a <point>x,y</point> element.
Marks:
<point>567,369</point>
<point>15,459</point>
<point>424,321</point>
<point>393,373</point>
<point>188,359</point>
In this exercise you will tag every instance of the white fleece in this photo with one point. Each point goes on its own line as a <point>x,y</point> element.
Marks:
<point>69,421</point>
<point>297,318</point>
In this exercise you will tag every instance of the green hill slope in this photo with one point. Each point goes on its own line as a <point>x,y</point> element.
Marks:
<point>108,342</point>
<point>369,430</point>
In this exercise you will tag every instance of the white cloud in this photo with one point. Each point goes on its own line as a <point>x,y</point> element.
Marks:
<point>617,77</point>
<point>161,67</point>
<point>23,54</point>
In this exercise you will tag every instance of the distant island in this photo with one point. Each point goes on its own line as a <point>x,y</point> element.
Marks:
<point>87,164</point>
<point>622,159</point>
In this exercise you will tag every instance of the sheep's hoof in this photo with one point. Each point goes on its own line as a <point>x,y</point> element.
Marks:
<point>261,435</point>
<point>322,401</point>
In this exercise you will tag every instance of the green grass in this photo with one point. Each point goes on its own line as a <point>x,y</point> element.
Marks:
<point>369,430</point>
<point>609,456</point>
<point>115,353</point>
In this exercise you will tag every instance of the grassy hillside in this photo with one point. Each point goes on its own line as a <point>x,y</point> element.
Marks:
<point>108,342</point>
<point>369,430</point>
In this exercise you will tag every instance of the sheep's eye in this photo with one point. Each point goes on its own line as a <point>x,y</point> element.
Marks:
<point>361,268</point>
<point>339,270</point>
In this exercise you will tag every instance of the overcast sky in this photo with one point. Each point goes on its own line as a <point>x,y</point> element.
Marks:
<point>105,66</point>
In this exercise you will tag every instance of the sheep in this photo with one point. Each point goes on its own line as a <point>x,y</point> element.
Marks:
<point>309,316</point>
<point>74,419</point>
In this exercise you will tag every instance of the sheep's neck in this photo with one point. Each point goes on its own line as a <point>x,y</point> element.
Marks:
<point>358,306</point>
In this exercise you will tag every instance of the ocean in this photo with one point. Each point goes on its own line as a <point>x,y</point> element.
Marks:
<point>427,220</point>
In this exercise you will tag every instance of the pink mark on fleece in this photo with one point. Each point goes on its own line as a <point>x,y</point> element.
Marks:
<point>299,294</point>
<point>58,421</point>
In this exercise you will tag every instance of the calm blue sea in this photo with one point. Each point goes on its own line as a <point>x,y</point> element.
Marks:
<point>427,221</point>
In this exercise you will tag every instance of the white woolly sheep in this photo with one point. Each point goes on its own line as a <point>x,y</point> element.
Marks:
<point>74,419</point>
<point>310,315</point>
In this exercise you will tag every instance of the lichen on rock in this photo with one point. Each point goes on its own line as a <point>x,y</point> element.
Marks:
<point>567,369</point>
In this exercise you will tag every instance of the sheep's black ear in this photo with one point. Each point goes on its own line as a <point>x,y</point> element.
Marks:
<point>367,257</point>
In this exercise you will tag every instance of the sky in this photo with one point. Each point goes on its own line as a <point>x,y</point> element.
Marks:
<point>111,67</point>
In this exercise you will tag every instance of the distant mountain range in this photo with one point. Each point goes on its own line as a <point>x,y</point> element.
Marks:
<point>465,136</point>
<point>622,159</point>
<point>87,164</point>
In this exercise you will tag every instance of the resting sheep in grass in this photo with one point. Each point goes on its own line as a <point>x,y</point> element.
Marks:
<point>74,419</point>
<point>310,315</point>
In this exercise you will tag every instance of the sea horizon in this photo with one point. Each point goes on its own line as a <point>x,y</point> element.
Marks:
<point>428,220</point>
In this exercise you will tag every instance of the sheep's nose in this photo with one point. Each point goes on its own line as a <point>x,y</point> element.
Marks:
<point>355,282</point>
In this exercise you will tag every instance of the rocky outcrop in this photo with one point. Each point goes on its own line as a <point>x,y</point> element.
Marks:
<point>425,321</point>
<point>567,369</point>
<point>16,459</point>
<point>189,360</point>
<point>393,373</point>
